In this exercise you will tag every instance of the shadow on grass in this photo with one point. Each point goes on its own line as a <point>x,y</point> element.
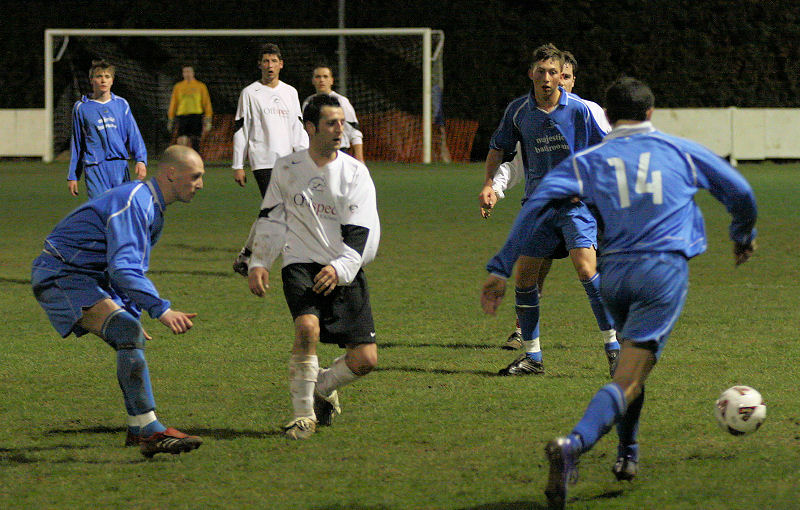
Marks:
<point>15,281</point>
<point>441,371</point>
<point>21,455</point>
<point>389,345</point>
<point>219,434</point>
<point>194,272</point>
<point>507,505</point>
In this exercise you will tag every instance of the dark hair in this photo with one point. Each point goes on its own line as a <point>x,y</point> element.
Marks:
<point>628,99</point>
<point>311,112</point>
<point>101,64</point>
<point>321,65</point>
<point>269,49</point>
<point>569,58</point>
<point>546,52</point>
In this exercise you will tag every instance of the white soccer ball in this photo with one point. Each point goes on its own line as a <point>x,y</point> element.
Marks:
<point>740,410</point>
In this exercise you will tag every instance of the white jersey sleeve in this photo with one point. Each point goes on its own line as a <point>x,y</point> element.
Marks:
<point>352,130</point>
<point>299,135</point>
<point>241,130</point>
<point>508,175</point>
<point>271,228</point>
<point>358,217</point>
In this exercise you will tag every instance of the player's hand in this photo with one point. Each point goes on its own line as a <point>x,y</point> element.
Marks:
<point>494,288</point>
<point>743,252</point>
<point>487,199</point>
<point>178,322</point>
<point>72,186</point>
<point>206,124</point>
<point>326,280</point>
<point>147,335</point>
<point>239,176</point>
<point>141,170</point>
<point>170,124</point>
<point>258,280</point>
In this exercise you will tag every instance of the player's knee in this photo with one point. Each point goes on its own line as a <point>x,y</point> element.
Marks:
<point>121,330</point>
<point>363,361</point>
<point>307,329</point>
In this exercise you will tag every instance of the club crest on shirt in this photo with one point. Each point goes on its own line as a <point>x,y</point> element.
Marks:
<point>317,184</point>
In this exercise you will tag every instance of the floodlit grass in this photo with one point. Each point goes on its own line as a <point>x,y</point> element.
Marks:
<point>433,427</point>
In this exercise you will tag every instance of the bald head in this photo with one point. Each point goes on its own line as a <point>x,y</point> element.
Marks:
<point>180,173</point>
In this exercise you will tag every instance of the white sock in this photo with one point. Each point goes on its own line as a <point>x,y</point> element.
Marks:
<point>142,420</point>
<point>302,378</point>
<point>335,376</point>
<point>609,336</point>
<point>531,346</point>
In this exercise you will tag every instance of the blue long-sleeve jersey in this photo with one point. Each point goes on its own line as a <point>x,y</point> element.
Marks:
<point>641,183</point>
<point>102,132</point>
<point>545,139</point>
<point>114,233</point>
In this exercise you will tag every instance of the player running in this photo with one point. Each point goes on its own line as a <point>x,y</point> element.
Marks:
<point>642,183</point>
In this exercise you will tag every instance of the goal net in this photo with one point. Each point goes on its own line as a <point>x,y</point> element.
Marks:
<point>393,77</point>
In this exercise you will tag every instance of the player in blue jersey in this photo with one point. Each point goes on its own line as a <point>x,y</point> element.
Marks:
<point>549,124</point>
<point>642,184</point>
<point>90,278</point>
<point>104,134</point>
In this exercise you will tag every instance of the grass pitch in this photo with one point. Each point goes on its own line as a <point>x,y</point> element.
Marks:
<point>433,427</point>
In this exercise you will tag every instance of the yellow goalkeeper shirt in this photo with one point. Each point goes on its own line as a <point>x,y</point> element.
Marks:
<point>190,98</point>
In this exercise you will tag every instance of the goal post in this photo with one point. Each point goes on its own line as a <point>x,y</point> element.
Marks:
<point>156,82</point>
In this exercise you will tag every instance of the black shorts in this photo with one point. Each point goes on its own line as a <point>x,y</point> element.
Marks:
<point>190,125</point>
<point>262,176</point>
<point>345,315</point>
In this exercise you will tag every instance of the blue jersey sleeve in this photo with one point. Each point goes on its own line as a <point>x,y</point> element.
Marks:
<point>128,254</point>
<point>506,135</point>
<point>559,184</point>
<point>730,188</point>
<point>133,137</point>
<point>76,145</point>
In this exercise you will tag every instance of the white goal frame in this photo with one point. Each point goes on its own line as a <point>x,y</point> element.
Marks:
<point>428,54</point>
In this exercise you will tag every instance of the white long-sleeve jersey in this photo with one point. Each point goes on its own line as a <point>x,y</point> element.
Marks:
<point>326,215</point>
<point>352,134</point>
<point>268,125</point>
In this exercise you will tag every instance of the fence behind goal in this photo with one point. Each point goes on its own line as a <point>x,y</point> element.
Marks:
<point>387,76</point>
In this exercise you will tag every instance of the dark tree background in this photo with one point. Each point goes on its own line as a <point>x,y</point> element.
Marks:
<point>715,53</point>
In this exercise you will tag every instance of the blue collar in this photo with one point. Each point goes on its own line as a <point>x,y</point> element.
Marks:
<point>156,191</point>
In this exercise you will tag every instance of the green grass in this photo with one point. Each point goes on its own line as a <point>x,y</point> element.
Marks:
<point>433,427</point>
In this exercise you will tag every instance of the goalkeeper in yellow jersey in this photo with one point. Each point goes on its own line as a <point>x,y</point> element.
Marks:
<point>191,106</point>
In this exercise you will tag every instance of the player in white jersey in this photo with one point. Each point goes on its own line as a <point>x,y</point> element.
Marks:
<point>268,126</point>
<point>352,138</point>
<point>320,215</point>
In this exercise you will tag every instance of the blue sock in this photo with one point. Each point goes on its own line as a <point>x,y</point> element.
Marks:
<point>134,380</point>
<point>592,288</point>
<point>527,307</point>
<point>628,429</point>
<point>152,428</point>
<point>606,407</point>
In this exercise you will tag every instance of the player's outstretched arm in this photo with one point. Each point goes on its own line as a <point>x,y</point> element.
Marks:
<point>743,252</point>
<point>258,280</point>
<point>178,322</point>
<point>494,288</point>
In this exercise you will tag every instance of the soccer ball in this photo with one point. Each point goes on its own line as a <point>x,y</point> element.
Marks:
<point>740,410</point>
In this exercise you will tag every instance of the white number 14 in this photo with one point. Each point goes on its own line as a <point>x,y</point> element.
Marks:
<point>642,186</point>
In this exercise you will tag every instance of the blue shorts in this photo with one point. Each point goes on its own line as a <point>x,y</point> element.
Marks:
<point>560,229</point>
<point>644,293</point>
<point>63,292</point>
<point>105,175</point>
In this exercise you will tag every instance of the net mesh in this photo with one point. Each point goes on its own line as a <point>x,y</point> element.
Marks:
<point>384,76</point>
